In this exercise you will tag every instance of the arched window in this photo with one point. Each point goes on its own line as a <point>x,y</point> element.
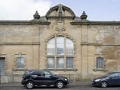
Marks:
<point>60,53</point>
<point>100,63</point>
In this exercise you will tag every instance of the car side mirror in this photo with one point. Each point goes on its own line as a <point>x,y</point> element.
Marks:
<point>43,74</point>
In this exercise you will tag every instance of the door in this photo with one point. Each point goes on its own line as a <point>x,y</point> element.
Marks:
<point>37,78</point>
<point>2,66</point>
<point>48,78</point>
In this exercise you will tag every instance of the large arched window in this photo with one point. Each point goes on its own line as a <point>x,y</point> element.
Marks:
<point>60,53</point>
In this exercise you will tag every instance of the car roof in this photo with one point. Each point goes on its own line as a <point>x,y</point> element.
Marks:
<point>36,70</point>
<point>113,72</point>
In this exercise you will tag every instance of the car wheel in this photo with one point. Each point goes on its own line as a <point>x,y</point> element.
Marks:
<point>104,84</point>
<point>29,85</point>
<point>60,84</point>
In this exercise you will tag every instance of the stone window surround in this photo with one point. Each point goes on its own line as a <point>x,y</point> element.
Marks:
<point>66,36</point>
<point>97,69</point>
<point>15,58</point>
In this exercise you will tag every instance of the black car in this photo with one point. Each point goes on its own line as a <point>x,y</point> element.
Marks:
<point>110,79</point>
<point>32,78</point>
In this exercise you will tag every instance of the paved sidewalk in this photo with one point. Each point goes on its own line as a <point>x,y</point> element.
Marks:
<point>81,83</point>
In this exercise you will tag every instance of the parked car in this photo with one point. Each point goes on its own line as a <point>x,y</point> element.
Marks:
<point>32,78</point>
<point>110,79</point>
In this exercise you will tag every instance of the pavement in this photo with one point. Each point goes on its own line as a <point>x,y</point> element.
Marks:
<point>80,83</point>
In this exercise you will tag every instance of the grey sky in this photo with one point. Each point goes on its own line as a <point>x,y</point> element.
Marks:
<point>102,10</point>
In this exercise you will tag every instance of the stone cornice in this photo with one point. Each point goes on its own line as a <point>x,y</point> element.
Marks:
<point>96,23</point>
<point>96,44</point>
<point>22,22</point>
<point>19,43</point>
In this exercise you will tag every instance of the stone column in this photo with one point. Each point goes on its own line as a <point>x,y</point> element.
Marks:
<point>84,51</point>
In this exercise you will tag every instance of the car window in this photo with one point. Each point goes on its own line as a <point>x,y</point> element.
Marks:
<point>115,75</point>
<point>47,74</point>
<point>27,73</point>
<point>38,73</point>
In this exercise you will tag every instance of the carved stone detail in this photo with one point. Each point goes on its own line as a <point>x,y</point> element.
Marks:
<point>60,34</point>
<point>60,27</point>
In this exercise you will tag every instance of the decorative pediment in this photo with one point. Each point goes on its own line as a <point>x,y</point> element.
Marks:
<point>60,11</point>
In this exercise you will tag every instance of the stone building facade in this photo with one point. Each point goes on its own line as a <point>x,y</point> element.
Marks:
<point>60,42</point>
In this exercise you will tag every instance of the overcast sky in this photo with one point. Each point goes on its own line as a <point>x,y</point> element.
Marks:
<point>99,10</point>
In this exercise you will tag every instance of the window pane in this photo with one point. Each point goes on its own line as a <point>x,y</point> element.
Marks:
<point>69,62</point>
<point>50,63</point>
<point>51,47</point>
<point>60,62</point>
<point>60,45</point>
<point>20,62</point>
<point>47,74</point>
<point>69,47</point>
<point>100,63</point>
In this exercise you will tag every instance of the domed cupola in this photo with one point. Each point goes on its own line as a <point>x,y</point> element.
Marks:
<point>60,11</point>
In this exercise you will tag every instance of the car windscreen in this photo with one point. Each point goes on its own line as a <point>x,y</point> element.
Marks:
<point>51,73</point>
<point>106,75</point>
<point>27,72</point>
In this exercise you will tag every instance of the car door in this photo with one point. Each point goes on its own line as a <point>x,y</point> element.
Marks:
<point>114,79</point>
<point>48,78</point>
<point>37,77</point>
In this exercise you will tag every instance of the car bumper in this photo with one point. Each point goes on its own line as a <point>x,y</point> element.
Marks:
<point>95,83</point>
<point>23,82</point>
<point>66,83</point>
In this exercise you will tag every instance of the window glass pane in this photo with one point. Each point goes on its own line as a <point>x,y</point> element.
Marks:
<point>60,62</point>
<point>50,63</point>
<point>69,47</point>
<point>100,63</point>
<point>60,45</point>
<point>51,47</point>
<point>20,62</point>
<point>69,62</point>
<point>47,74</point>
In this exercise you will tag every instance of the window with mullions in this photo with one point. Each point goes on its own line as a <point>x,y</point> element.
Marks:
<point>51,47</point>
<point>60,45</point>
<point>20,62</point>
<point>100,63</point>
<point>60,63</point>
<point>50,63</point>
<point>69,62</point>
<point>60,53</point>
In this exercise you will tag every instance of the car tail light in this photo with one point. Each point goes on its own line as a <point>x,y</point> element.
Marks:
<point>23,77</point>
